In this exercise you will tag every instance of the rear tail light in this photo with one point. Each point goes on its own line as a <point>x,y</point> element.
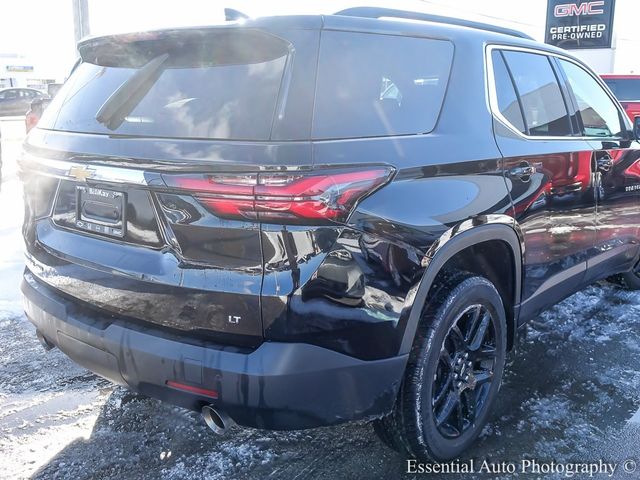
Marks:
<point>314,197</point>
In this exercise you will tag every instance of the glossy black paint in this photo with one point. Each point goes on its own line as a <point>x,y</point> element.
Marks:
<point>556,211</point>
<point>458,199</point>
<point>255,387</point>
<point>618,216</point>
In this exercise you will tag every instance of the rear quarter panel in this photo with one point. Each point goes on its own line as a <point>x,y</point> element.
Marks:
<point>353,290</point>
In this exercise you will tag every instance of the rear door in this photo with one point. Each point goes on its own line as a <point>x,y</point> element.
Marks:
<point>549,172</point>
<point>617,173</point>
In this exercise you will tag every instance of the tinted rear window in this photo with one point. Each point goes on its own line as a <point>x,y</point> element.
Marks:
<point>507,99</point>
<point>625,89</point>
<point>544,109</point>
<point>376,85</point>
<point>223,86</point>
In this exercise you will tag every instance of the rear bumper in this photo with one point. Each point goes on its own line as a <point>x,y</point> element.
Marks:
<point>277,386</point>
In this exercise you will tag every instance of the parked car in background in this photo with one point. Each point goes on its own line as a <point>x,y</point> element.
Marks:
<point>16,101</point>
<point>53,89</point>
<point>626,88</point>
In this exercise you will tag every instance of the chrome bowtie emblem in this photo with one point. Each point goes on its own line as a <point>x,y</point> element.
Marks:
<point>81,173</point>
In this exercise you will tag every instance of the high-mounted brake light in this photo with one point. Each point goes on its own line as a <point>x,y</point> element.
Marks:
<point>314,197</point>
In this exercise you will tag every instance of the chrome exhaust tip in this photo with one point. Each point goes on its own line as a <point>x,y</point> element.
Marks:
<point>46,344</point>
<point>216,420</point>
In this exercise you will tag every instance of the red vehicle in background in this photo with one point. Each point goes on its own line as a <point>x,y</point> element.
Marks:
<point>33,114</point>
<point>38,105</point>
<point>627,90</point>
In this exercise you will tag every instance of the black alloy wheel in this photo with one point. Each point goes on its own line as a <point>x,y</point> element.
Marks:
<point>465,371</point>
<point>454,371</point>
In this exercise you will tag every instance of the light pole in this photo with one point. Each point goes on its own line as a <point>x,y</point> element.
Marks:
<point>80,19</point>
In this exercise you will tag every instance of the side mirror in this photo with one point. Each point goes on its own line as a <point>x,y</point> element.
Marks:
<point>636,128</point>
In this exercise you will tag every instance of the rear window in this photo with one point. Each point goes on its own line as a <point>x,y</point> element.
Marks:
<point>376,85</point>
<point>545,112</point>
<point>625,89</point>
<point>222,85</point>
<point>508,102</point>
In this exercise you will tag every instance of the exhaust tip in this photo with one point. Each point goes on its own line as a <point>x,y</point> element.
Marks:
<point>46,344</point>
<point>217,421</point>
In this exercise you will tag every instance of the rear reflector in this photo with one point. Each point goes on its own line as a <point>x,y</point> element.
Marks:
<point>191,389</point>
<point>315,197</point>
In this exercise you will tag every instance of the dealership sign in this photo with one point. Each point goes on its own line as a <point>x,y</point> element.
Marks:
<point>579,23</point>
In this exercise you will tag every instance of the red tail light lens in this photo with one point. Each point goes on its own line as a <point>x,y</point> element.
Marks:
<point>283,197</point>
<point>31,120</point>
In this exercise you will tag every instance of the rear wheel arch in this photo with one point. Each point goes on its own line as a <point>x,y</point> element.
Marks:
<point>458,242</point>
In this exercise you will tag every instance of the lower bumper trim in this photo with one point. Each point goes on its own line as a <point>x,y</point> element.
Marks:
<point>278,386</point>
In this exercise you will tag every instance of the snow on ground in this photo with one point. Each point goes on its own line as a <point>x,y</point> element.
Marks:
<point>567,396</point>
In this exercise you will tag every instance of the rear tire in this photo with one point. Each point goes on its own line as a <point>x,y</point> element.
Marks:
<point>454,372</point>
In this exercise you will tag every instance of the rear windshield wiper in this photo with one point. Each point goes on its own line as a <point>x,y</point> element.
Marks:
<point>128,95</point>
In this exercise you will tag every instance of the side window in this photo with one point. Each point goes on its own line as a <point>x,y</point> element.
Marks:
<point>599,114</point>
<point>545,111</point>
<point>506,94</point>
<point>373,85</point>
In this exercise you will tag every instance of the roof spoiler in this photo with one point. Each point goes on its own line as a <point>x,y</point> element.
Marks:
<point>233,15</point>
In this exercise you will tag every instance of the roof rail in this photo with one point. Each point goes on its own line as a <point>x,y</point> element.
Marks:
<point>375,12</point>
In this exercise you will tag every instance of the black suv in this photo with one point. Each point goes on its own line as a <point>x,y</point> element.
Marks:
<point>304,220</point>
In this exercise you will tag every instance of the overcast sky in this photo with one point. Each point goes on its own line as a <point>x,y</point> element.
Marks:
<point>42,30</point>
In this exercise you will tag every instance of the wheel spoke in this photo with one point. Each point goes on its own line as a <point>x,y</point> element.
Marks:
<point>470,404</point>
<point>448,358</point>
<point>473,323</point>
<point>447,409</point>
<point>484,353</point>
<point>483,377</point>
<point>459,417</point>
<point>444,391</point>
<point>457,337</point>
<point>480,331</point>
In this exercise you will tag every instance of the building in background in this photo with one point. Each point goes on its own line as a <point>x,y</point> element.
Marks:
<point>38,46</point>
<point>20,71</point>
<point>616,49</point>
<point>36,42</point>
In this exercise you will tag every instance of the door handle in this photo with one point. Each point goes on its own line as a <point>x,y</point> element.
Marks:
<point>524,171</point>
<point>605,164</point>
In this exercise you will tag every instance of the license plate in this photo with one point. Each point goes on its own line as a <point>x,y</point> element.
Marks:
<point>100,211</point>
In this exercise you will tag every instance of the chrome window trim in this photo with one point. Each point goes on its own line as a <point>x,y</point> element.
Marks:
<point>97,173</point>
<point>493,95</point>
